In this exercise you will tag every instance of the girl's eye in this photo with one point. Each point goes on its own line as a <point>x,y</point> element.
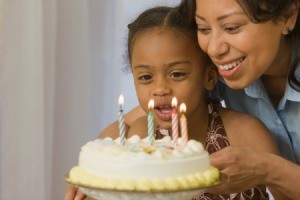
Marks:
<point>145,77</point>
<point>177,75</point>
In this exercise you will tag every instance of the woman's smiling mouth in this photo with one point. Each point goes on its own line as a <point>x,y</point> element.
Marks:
<point>231,65</point>
<point>230,69</point>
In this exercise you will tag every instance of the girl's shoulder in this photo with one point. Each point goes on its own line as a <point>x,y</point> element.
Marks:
<point>237,120</point>
<point>245,130</point>
<point>138,127</point>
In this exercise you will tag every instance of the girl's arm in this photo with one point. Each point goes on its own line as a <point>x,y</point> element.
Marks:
<point>113,129</point>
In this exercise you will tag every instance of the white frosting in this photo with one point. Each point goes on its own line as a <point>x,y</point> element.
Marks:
<point>139,160</point>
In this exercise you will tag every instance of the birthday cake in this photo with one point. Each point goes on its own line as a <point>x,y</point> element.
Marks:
<point>137,165</point>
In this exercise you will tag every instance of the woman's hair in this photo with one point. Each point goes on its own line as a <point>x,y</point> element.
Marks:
<point>161,17</point>
<point>260,11</point>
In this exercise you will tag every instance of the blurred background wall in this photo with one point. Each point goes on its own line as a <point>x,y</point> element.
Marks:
<point>61,74</point>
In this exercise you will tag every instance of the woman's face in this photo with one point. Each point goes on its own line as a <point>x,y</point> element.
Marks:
<point>166,64</point>
<point>242,50</point>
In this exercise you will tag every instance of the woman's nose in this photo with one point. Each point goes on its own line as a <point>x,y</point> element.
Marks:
<point>217,46</point>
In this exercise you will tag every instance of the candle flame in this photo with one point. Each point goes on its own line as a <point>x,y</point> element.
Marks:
<point>151,104</point>
<point>174,102</point>
<point>121,100</point>
<point>182,107</point>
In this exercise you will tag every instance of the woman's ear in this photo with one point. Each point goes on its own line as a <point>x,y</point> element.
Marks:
<point>211,77</point>
<point>291,18</point>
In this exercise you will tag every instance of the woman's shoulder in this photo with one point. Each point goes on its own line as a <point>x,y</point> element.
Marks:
<point>246,130</point>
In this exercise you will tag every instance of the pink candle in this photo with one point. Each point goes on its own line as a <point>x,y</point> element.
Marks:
<point>174,121</point>
<point>183,124</point>
<point>151,133</point>
<point>121,121</point>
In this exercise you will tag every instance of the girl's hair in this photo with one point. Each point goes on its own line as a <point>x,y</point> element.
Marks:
<point>162,17</point>
<point>260,11</point>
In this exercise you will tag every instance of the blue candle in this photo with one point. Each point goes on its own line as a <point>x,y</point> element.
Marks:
<point>121,121</point>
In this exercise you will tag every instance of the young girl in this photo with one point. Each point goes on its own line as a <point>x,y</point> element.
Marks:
<point>167,62</point>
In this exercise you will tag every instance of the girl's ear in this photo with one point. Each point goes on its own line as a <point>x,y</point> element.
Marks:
<point>211,77</point>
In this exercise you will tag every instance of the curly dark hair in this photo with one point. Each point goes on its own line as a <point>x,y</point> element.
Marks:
<point>162,17</point>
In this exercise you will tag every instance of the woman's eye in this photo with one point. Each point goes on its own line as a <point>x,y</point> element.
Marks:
<point>232,29</point>
<point>203,30</point>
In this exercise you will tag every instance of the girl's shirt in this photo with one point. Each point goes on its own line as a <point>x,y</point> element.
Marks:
<point>283,122</point>
<point>216,139</point>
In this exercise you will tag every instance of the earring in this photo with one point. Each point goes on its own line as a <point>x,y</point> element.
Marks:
<point>289,30</point>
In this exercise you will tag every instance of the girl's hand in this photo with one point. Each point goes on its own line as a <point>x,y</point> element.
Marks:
<point>72,193</point>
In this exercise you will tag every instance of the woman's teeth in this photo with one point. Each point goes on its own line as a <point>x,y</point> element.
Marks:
<point>230,65</point>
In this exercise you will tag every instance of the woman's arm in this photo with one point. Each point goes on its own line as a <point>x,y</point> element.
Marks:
<point>283,175</point>
<point>280,175</point>
<point>248,162</point>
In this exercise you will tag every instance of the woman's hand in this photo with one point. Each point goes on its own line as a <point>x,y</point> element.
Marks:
<point>72,193</point>
<point>244,167</point>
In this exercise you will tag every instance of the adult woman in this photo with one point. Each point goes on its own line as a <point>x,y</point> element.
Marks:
<point>255,45</point>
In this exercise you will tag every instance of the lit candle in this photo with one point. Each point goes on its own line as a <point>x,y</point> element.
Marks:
<point>121,121</point>
<point>151,133</point>
<point>174,121</point>
<point>183,124</point>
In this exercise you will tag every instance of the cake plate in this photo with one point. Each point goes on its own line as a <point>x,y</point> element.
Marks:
<point>109,194</point>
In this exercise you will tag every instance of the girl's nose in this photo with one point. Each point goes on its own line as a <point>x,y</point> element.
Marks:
<point>161,88</point>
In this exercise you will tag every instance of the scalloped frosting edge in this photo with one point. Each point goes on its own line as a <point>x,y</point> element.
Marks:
<point>81,177</point>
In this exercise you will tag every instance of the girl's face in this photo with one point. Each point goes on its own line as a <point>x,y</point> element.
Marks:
<point>242,50</point>
<point>166,64</point>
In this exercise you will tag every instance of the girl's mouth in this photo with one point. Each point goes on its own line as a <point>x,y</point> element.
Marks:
<point>164,112</point>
